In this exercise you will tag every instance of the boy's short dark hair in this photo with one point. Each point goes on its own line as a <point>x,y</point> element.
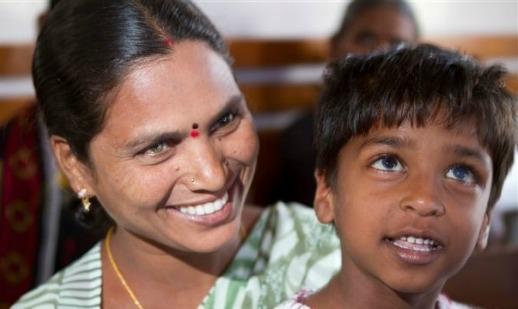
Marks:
<point>413,84</point>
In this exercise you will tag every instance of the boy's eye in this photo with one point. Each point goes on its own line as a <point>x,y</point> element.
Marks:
<point>462,174</point>
<point>388,163</point>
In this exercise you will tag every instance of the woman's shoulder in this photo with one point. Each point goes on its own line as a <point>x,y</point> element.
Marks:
<point>299,252</point>
<point>297,220</point>
<point>77,284</point>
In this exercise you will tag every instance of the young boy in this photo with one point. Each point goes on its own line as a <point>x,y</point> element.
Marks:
<point>413,148</point>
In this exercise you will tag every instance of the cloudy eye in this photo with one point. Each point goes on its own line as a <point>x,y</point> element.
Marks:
<point>461,173</point>
<point>388,164</point>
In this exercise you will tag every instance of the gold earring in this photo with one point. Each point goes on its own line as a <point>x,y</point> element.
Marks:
<point>85,200</point>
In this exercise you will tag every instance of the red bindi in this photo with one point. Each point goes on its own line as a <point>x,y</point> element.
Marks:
<point>195,133</point>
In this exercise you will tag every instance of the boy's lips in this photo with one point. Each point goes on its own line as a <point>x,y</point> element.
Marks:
<point>415,246</point>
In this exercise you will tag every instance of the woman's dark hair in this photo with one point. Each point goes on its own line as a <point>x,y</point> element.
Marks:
<point>357,7</point>
<point>87,47</point>
<point>414,84</point>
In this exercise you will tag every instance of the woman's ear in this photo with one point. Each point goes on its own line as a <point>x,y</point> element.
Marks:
<point>483,235</point>
<point>78,174</point>
<point>323,202</point>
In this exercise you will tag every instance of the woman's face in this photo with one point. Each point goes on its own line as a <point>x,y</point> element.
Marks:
<point>177,153</point>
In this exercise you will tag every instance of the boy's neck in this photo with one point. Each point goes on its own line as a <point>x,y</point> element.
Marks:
<point>353,289</point>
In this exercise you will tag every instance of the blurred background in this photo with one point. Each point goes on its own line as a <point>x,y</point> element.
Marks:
<point>280,48</point>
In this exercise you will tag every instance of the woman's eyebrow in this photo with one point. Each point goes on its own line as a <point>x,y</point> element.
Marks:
<point>176,136</point>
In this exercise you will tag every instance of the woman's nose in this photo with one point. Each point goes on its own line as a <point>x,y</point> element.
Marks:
<point>423,196</point>
<point>209,170</point>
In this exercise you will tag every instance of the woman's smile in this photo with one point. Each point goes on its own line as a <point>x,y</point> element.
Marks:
<point>210,212</point>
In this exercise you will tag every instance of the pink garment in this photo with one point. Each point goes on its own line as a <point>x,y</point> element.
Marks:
<point>296,302</point>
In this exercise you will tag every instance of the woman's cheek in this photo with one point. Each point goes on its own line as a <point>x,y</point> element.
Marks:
<point>250,147</point>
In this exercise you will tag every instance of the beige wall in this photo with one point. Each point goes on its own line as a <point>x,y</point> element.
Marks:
<point>300,18</point>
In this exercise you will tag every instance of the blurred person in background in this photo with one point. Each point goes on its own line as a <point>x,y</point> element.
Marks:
<point>367,25</point>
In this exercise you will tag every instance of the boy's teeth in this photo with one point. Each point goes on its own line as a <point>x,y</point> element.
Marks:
<point>416,243</point>
<point>205,209</point>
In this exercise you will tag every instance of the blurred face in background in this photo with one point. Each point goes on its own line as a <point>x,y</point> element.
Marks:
<point>374,29</point>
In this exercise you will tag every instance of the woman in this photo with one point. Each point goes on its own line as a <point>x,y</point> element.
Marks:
<point>148,125</point>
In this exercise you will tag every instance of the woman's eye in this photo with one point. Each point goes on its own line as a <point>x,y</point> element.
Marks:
<point>155,149</point>
<point>227,122</point>
<point>462,174</point>
<point>388,163</point>
<point>227,118</point>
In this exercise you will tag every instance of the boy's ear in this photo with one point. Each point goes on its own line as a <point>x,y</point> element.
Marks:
<point>78,174</point>
<point>483,235</point>
<point>323,202</point>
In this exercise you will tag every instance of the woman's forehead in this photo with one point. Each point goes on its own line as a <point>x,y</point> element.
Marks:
<point>187,86</point>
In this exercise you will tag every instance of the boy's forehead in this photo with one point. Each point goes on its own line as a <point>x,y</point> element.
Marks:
<point>438,119</point>
<point>463,128</point>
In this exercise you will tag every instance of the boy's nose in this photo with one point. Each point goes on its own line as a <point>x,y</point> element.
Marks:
<point>208,168</point>
<point>423,198</point>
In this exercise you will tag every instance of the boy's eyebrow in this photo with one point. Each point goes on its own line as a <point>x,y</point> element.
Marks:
<point>464,151</point>
<point>393,141</point>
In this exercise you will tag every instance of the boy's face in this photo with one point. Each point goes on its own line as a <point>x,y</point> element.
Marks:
<point>409,204</point>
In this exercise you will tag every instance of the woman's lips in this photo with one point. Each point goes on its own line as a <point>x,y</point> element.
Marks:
<point>212,213</point>
<point>206,208</point>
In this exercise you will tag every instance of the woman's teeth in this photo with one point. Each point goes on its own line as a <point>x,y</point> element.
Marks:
<point>205,209</point>
<point>416,243</point>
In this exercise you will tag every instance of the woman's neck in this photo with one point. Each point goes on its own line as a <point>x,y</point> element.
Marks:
<point>156,273</point>
<point>353,289</point>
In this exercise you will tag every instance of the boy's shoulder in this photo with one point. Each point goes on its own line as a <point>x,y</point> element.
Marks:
<point>77,284</point>
<point>444,302</point>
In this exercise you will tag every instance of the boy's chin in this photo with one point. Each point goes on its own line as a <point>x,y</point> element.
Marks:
<point>415,286</point>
